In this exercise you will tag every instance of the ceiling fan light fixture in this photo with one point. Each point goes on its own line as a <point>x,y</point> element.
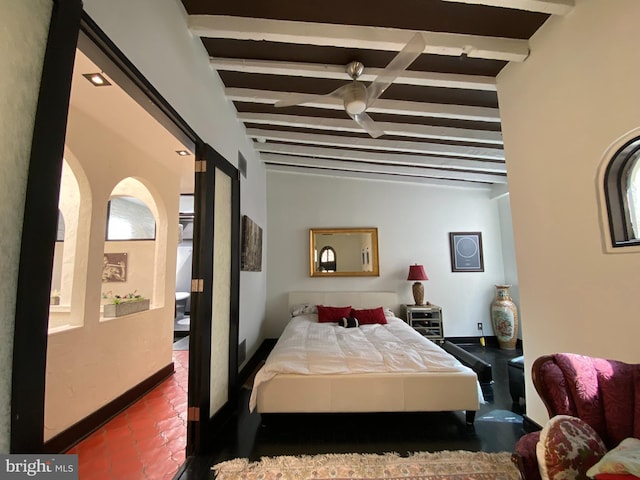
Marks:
<point>355,99</point>
<point>355,106</point>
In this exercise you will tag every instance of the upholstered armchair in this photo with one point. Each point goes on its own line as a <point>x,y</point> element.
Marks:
<point>603,393</point>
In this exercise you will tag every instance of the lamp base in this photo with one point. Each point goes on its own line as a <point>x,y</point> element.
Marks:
<point>418,293</point>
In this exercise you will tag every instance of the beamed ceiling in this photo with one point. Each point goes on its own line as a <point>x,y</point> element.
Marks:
<point>440,117</point>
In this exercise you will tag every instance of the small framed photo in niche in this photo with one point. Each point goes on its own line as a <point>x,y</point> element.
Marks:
<point>114,267</point>
<point>466,251</point>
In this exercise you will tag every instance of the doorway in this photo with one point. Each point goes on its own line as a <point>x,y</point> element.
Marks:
<point>40,224</point>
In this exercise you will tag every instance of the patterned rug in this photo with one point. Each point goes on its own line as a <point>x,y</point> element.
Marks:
<point>446,465</point>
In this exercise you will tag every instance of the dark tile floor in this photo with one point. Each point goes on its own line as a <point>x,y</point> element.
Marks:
<point>498,426</point>
<point>147,440</point>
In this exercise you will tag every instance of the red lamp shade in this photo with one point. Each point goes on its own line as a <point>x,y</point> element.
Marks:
<point>416,272</point>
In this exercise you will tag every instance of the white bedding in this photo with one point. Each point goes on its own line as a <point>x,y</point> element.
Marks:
<point>309,347</point>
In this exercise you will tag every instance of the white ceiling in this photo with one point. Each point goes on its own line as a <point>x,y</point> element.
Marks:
<point>114,109</point>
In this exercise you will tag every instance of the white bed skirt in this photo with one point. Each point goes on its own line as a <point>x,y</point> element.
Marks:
<point>398,392</point>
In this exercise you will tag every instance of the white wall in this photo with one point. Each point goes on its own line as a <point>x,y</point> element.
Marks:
<point>574,96</point>
<point>23,35</point>
<point>509,257</point>
<point>100,359</point>
<point>153,35</point>
<point>413,224</point>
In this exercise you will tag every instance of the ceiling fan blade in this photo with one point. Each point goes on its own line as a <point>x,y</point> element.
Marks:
<point>366,122</point>
<point>297,99</point>
<point>400,62</point>
<point>300,98</point>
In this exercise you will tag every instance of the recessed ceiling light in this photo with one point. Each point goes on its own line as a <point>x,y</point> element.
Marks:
<point>183,153</point>
<point>97,79</point>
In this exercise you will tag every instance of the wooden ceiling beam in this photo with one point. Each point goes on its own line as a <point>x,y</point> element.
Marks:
<point>552,7</point>
<point>271,159</point>
<point>396,158</point>
<point>390,128</point>
<point>396,107</point>
<point>388,146</point>
<point>314,70</point>
<point>356,37</point>
<point>388,177</point>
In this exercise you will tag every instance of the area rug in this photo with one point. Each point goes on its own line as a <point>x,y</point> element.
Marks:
<point>446,465</point>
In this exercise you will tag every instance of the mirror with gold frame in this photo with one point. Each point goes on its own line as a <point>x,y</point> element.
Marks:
<point>343,252</point>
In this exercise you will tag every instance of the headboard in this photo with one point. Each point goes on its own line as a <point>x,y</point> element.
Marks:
<point>338,299</point>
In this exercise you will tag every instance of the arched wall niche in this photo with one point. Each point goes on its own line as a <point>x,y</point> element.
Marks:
<point>146,261</point>
<point>74,204</point>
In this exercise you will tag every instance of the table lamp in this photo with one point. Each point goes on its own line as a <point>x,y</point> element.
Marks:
<point>417,273</point>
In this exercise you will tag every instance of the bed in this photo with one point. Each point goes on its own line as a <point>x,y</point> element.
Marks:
<point>327,368</point>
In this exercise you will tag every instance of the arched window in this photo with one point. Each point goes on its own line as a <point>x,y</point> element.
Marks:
<point>622,193</point>
<point>327,259</point>
<point>128,218</point>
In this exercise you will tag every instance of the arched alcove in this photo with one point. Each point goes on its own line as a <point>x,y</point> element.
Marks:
<point>69,265</point>
<point>134,259</point>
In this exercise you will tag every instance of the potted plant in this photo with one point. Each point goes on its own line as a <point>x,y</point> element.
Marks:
<point>124,304</point>
<point>54,298</point>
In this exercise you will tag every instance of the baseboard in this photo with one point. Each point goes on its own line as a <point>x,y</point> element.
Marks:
<point>490,341</point>
<point>78,431</point>
<point>261,353</point>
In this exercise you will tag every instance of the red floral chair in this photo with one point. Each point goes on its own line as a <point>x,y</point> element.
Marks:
<point>605,394</point>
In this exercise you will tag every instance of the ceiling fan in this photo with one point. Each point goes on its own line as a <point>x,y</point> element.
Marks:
<point>356,96</point>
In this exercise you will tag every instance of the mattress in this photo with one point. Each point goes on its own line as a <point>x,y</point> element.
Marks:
<point>322,368</point>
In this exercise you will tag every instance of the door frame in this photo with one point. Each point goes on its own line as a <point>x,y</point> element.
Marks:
<point>39,230</point>
<point>202,426</point>
<point>70,27</point>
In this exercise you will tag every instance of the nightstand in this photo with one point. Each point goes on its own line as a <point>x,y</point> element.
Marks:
<point>427,320</point>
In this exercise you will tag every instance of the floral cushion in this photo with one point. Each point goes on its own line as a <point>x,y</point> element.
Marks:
<point>624,459</point>
<point>567,448</point>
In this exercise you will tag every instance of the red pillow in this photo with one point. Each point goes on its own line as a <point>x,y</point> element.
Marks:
<point>332,314</point>
<point>616,476</point>
<point>369,316</point>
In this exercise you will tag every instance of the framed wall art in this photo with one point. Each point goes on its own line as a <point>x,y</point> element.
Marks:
<point>466,251</point>
<point>114,267</point>
<point>251,251</point>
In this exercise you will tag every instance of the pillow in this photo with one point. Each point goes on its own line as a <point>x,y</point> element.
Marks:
<point>624,459</point>
<point>349,322</point>
<point>332,314</point>
<point>303,309</point>
<point>388,312</point>
<point>567,448</point>
<point>370,316</point>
